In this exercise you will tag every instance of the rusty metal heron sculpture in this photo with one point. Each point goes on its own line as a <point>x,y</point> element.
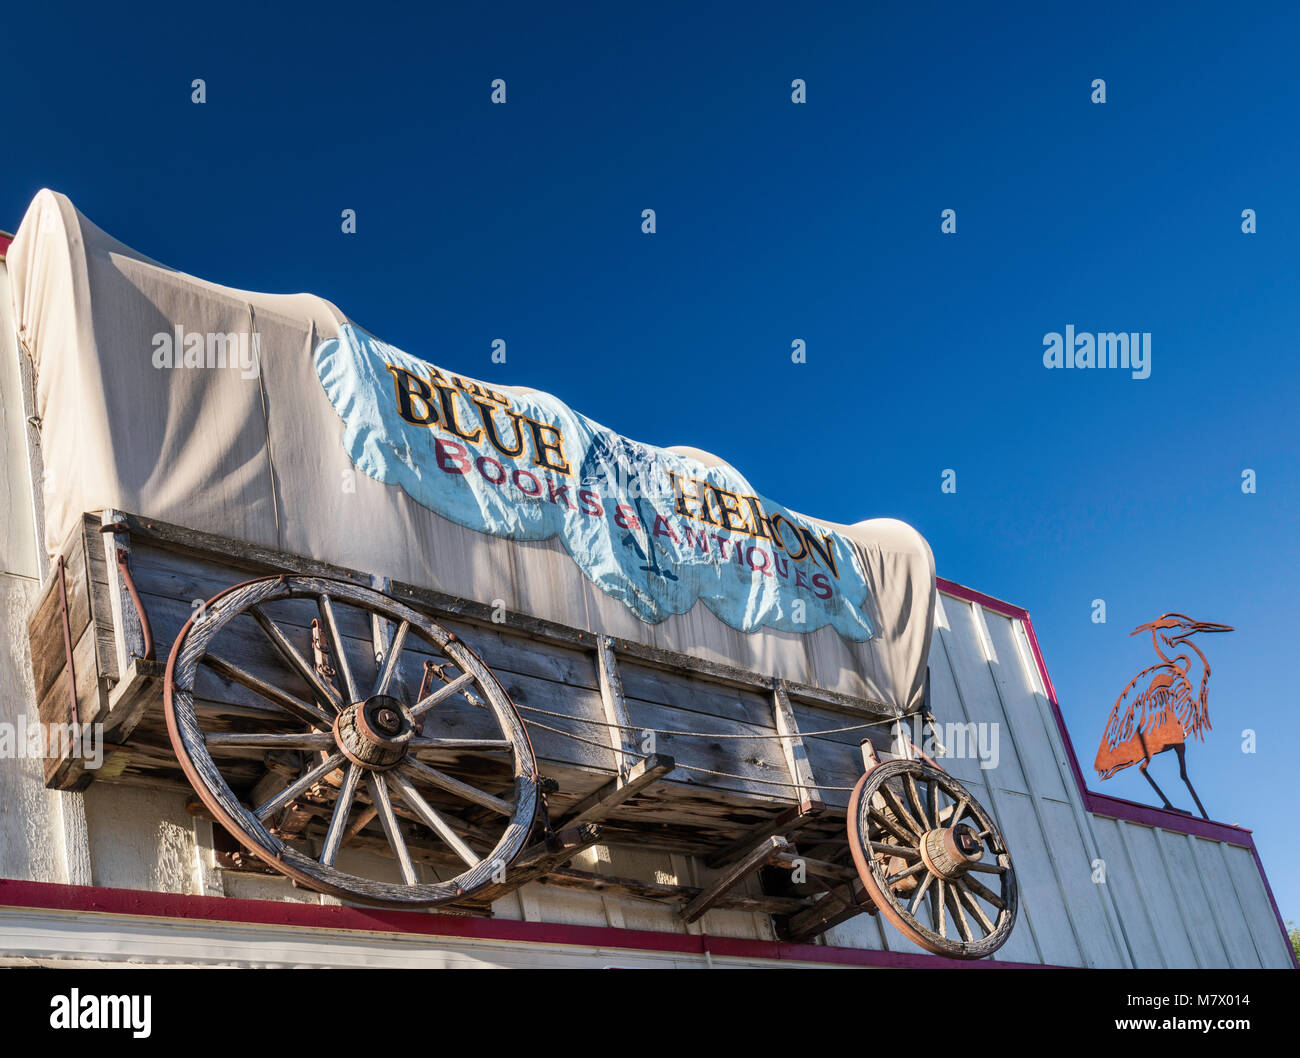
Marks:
<point>1167,710</point>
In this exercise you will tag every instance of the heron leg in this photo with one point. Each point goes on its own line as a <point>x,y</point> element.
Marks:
<point>1143,769</point>
<point>1181,750</point>
<point>1146,775</point>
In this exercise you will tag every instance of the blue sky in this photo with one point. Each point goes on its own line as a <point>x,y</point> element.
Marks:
<point>778,222</point>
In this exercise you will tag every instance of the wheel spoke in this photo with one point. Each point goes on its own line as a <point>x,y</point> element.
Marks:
<point>445,691</point>
<point>430,816</point>
<point>986,868</point>
<point>895,850</point>
<point>907,872</point>
<point>378,786</point>
<point>965,896</point>
<point>984,893</point>
<point>391,658</point>
<point>888,824</point>
<point>303,711</point>
<point>932,795</point>
<point>958,810</point>
<point>941,890</point>
<point>958,916</point>
<point>326,606</point>
<point>291,791</point>
<point>338,821</point>
<point>921,890</point>
<point>296,661</point>
<point>259,740</point>
<point>900,813</point>
<point>455,786</point>
<point>915,796</point>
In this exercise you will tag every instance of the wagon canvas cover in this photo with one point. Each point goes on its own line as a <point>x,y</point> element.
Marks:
<point>276,420</point>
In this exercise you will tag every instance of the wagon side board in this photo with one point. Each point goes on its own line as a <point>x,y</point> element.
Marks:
<point>74,654</point>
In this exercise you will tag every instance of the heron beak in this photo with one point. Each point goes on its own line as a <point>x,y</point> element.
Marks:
<point>1208,626</point>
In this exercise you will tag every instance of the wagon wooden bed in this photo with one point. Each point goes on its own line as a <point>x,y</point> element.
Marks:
<point>312,709</point>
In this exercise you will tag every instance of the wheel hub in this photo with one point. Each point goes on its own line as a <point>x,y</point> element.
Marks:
<point>375,733</point>
<point>949,851</point>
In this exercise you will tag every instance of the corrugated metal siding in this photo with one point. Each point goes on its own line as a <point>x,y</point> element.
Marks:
<point>1189,902</point>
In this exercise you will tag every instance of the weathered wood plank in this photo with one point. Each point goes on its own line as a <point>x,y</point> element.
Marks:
<point>688,693</point>
<point>65,767</point>
<point>817,868</point>
<point>785,823</point>
<point>796,756</point>
<point>621,738</point>
<point>836,906</point>
<point>130,639</point>
<point>45,628</point>
<point>762,854</point>
<point>601,803</point>
<point>537,860</point>
<point>755,766</point>
<point>139,688</point>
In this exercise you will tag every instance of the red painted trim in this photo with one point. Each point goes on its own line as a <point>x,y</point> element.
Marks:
<point>53,896</point>
<point>1051,692</point>
<point>960,591</point>
<point>1118,807</point>
<point>5,242</point>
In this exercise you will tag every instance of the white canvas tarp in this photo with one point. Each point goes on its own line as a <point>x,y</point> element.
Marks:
<point>273,419</point>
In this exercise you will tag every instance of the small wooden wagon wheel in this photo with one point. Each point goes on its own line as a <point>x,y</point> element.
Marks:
<point>932,860</point>
<point>282,674</point>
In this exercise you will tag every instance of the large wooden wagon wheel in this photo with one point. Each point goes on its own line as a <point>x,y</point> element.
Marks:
<point>359,755</point>
<point>932,860</point>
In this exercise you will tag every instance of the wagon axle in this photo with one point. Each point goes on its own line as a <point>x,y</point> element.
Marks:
<point>376,733</point>
<point>948,852</point>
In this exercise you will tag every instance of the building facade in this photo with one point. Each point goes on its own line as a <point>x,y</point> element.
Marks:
<point>128,868</point>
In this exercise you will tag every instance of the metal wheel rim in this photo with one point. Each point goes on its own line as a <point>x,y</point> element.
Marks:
<point>190,744</point>
<point>872,864</point>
